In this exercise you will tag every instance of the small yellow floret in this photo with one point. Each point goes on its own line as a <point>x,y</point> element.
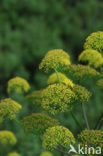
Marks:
<point>14,154</point>
<point>95,41</point>
<point>18,84</point>
<point>7,137</point>
<point>58,136</point>
<point>9,108</point>
<point>54,59</point>
<point>46,154</point>
<point>54,79</point>
<point>58,98</point>
<point>93,57</point>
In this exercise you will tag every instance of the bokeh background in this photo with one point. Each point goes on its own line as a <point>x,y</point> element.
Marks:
<point>28,29</point>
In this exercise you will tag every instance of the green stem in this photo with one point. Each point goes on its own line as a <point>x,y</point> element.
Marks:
<point>57,76</point>
<point>76,121</point>
<point>85,116</point>
<point>98,121</point>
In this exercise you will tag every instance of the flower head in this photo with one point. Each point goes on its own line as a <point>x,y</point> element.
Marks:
<point>82,93</point>
<point>91,138</point>
<point>57,98</point>
<point>80,72</point>
<point>18,84</point>
<point>46,154</point>
<point>35,97</point>
<point>7,137</point>
<point>57,136</point>
<point>54,59</point>
<point>10,108</point>
<point>53,79</point>
<point>38,123</point>
<point>95,41</point>
<point>100,83</point>
<point>14,154</point>
<point>93,57</point>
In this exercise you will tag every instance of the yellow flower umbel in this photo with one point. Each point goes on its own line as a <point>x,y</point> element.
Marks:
<point>57,98</point>
<point>95,41</point>
<point>38,123</point>
<point>100,83</point>
<point>18,84</point>
<point>91,138</point>
<point>7,137</point>
<point>54,79</point>
<point>57,136</point>
<point>14,154</point>
<point>9,108</point>
<point>54,60</point>
<point>35,97</point>
<point>93,57</point>
<point>46,154</point>
<point>81,72</point>
<point>82,93</point>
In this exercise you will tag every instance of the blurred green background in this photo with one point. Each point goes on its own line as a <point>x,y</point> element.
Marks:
<point>28,29</point>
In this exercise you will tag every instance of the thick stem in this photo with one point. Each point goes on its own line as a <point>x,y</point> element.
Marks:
<point>76,121</point>
<point>57,76</point>
<point>98,121</point>
<point>85,116</point>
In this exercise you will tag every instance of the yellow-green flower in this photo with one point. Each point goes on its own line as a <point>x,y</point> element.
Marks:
<point>57,136</point>
<point>35,97</point>
<point>93,57</point>
<point>80,72</point>
<point>91,138</point>
<point>95,41</point>
<point>54,79</point>
<point>54,60</point>
<point>18,84</point>
<point>9,108</point>
<point>38,123</point>
<point>13,154</point>
<point>82,93</point>
<point>100,83</point>
<point>7,137</point>
<point>57,98</point>
<point>46,154</point>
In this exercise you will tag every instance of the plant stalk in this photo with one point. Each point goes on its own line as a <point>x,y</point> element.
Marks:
<point>76,121</point>
<point>98,121</point>
<point>57,76</point>
<point>85,116</point>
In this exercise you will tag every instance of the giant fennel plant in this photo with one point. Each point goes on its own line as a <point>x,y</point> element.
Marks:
<point>62,94</point>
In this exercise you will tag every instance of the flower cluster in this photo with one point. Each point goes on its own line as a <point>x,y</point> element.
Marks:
<point>18,84</point>
<point>7,137</point>
<point>54,59</point>
<point>93,57</point>
<point>100,83</point>
<point>95,41</point>
<point>38,123</point>
<point>91,138</point>
<point>63,79</point>
<point>57,98</point>
<point>10,108</point>
<point>80,72</point>
<point>46,154</point>
<point>82,93</point>
<point>35,97</point>
<point>57,136</point>
<point>13,154</point>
